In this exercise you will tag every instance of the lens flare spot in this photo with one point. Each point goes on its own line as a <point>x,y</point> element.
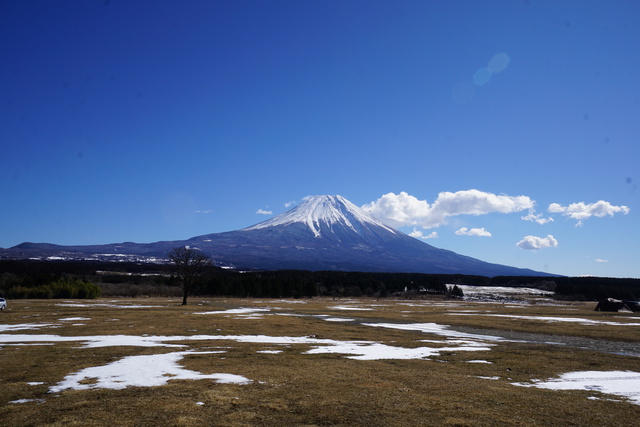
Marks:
<point>482,77</point>
<point>498,63</point>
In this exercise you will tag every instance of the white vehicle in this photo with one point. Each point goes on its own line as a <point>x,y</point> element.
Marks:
<point>3,303</point>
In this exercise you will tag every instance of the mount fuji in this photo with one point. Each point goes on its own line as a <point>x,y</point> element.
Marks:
<point>322,233</point>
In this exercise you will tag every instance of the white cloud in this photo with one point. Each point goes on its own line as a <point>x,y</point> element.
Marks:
<point>403,209</point>
<point>533,217</point>
<point>399,209</point>
<point>601,260</point>
<point>289,204</point>
<point>207,211</point>
<point>264,212</point>
<point>481,232</point>
<point>581,211</point>
<point>420,235</point>
<point>475,202</point>
<point>534,242</point>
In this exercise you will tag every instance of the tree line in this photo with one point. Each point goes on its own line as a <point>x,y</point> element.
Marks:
<point>58,279</point>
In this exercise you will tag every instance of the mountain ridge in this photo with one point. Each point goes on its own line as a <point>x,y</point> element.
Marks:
<point>322,233</point>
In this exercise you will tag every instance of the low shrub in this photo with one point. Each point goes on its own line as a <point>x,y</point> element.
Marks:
<point>63,288</point>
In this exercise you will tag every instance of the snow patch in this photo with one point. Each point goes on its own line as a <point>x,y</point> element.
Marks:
<point>361,350</point>
<point>346,307</point>
<point>376,351</point>
<point>28,400</point>
<point>337,319</point>
<point>240,311</point>
<point>437,329</point>
<point>140,371</point>
<point>25,326</point>
<point>625,384</point>
<point>108,305</point>
<point>501,290</point>
<point>579,320</point>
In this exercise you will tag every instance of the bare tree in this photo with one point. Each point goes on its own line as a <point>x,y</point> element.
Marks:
<point>190,264</point>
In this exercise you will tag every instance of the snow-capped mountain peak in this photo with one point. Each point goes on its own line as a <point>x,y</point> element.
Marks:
<point>324,210</point>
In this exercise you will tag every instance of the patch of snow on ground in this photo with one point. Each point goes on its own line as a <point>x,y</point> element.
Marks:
<point>500,290</point>
<point>378,351</point>
<point>436,329</point>
<point>579,320</point>
<point>433,304</point>
<point>140,371</point>
<point>25,326</point>
<point>287,301</point>
<point>93,305</point>
<point>241,311</point>
<point>23,344</point>
<point>619,383</point>
<point>94,341</point>
<point>346,307</point>
<point>155,370</point>
<point>361,350</point>
<point>28,400</point>
<point>74,319</point>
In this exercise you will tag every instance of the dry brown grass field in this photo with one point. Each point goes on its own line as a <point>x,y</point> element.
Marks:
<point>312,362</point>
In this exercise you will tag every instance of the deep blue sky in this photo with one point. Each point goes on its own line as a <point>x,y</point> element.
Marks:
<point>145,121</point>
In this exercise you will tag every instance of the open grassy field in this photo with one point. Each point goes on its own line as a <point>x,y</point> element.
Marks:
<point>235,362</point>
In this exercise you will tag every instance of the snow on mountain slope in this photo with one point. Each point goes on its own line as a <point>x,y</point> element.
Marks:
<point>324,210</point>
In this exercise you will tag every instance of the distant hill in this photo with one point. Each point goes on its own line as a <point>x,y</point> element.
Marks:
<point>323,233</point>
